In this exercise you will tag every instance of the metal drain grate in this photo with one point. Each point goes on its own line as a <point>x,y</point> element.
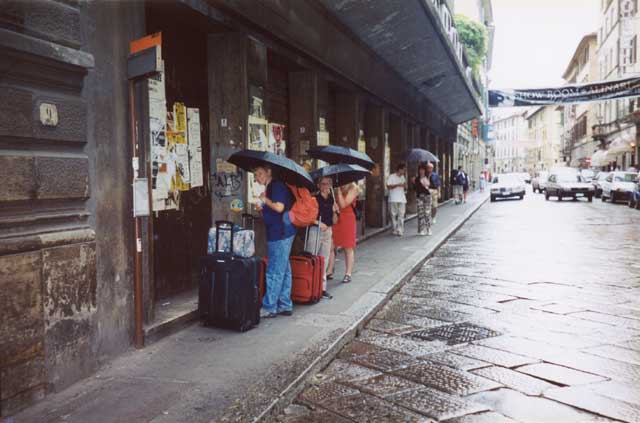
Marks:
<point>459,333</point>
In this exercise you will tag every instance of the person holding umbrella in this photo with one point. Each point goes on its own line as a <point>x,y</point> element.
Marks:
<point>273,172</point>
<point>344,231</point>
<point>274,202</point>
<point>327,217</point>
<point>422,186</point>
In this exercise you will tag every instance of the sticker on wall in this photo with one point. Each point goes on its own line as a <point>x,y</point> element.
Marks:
<point>277,143</point>
<point>236,205</point>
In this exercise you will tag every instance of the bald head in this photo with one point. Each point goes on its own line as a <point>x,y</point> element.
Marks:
<point>430,166</point>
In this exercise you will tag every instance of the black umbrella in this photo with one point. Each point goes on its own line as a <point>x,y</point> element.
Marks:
<point>420,155</point>
<point>334,154</point>
<point>341,174</point>
<point>284,169</point>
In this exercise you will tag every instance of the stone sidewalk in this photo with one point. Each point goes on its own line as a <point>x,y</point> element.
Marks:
<point>530,314</point>
<point>203,374</point>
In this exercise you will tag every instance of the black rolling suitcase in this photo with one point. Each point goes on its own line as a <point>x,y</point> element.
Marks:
<point>228,295</point>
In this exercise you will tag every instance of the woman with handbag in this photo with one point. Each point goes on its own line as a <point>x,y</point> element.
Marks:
<point>423,199</point>
<point>344,231</point>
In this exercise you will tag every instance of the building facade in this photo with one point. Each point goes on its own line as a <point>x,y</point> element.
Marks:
<point>511,143</point>
<point>617,52</point>
<point>470,149</point>
<point>308,72</point>
<point>544,126</point>
<point>578,144</point>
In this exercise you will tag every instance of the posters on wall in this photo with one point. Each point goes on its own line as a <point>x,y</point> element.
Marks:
<point>178,147</point>
<point>195,147</point>
<point>387,161</point>
<point>322,138</point>
<point>277,142</point>
<point>362,148</point>
<point>258,140</point>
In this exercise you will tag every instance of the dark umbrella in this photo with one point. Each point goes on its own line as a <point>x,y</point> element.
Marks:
<point>284,169</point>
<point>341,174</point>
<point>420,155</point>
<point>334,154</point>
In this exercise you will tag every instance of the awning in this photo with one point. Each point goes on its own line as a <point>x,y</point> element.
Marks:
<point>409,35</point>
<point>599,158</point>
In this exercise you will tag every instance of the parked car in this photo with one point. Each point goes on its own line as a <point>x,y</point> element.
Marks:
<point>634,201</point>
<point>588,174</point>
<point>618,186</point>
<point>507,186</point>
<point>597,183</point>
<point>539,182</point>
<point>568,184</point>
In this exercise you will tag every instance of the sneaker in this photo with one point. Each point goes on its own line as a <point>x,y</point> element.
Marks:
<point>264,314</point>
<point>433,221</point>
<point>326,295</point>
<point>286,313</point>
<point>346,279</point>
<point>429,232</point>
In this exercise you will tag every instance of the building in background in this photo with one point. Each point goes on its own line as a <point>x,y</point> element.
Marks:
<point>617,120</point>
<point>511,143</point>
<point>578,144</point>
<point>544,125</point>
<point>470,148</point>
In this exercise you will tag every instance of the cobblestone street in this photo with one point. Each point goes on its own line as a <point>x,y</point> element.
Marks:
<point>529,313</point>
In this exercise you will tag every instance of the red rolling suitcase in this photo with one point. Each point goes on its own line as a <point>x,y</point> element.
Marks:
<point>306,273</point>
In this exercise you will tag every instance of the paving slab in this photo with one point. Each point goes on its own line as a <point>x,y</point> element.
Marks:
<point>487,417</point>
<point>514,380</point>
<point>615,353</point>
<point>368,408</point>
<point>456,361</point>
<point>586,399</point>
<point>436,404</point>
<point>495,356</point>
<point>446,379</point>
<point>559,375</point>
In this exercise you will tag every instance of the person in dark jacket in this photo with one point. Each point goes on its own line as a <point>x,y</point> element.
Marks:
<point>463,181</point>
<point>422,186</point>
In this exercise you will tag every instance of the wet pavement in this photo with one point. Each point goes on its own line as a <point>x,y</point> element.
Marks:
<point>529,313</point>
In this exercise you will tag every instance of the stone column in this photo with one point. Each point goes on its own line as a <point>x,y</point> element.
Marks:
<point>374,129</point>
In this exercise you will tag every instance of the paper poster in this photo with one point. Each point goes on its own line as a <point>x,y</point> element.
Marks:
<point>140,197</point>
<point>387,161</point>
<point>277,143</point>
<point>157,132</point>
<point>258,140</point>
<point>195,147</point>
<point>362,147</point>
<point>180,115</point>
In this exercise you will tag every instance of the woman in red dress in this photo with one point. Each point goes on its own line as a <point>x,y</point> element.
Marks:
<point>344,232</point>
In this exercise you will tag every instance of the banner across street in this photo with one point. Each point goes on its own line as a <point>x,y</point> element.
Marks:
<point>575,93</point>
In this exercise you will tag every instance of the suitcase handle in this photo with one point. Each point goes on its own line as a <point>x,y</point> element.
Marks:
<point>247,217</point>
<point>306,237</point>
<point>229,227</point>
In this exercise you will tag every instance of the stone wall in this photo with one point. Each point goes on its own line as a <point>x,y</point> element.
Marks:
<point>64,202</point>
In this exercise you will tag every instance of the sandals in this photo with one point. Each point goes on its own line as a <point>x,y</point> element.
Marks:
<point>346,279</point>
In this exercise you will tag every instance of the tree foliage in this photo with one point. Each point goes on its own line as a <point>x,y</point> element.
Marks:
<point>473,37</point>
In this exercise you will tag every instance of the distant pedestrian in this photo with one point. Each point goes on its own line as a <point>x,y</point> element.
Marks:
<point>423,201</point>
<point>434,189</point>
<point>457,185</point>
<point>344,230</point>
<point>463,180</point>
<point>482,181</point>
<point>397,183</point>
<point>327,217</point>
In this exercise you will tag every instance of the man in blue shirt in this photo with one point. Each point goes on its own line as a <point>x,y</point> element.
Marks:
<point>434,189</point>
<point>275,203</point>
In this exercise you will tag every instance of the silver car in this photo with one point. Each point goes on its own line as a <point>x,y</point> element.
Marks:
<point>507,186</point>
<point>568,184</point>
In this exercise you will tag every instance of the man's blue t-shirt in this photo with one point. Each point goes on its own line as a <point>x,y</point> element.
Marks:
<point>276,228</point>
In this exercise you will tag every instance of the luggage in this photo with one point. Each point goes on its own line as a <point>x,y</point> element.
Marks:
<point>228,295</point>
<point>305,207</point>
<point>243,239</point>
<point>306,273</point>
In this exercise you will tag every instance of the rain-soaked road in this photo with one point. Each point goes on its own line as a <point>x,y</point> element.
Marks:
<point>530,313</point>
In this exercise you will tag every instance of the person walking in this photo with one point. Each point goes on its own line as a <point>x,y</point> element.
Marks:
<point>344,230</point>
<point>422,184</point>
<point>463,180</point>
<point>482,181</point>
<point>434,189</point>
<point>397,183</point>
<point>458,179</point>
<point>327,217</point>
<point>274,203</point>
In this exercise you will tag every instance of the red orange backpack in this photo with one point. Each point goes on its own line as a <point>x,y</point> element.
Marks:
<point>304,211</point>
